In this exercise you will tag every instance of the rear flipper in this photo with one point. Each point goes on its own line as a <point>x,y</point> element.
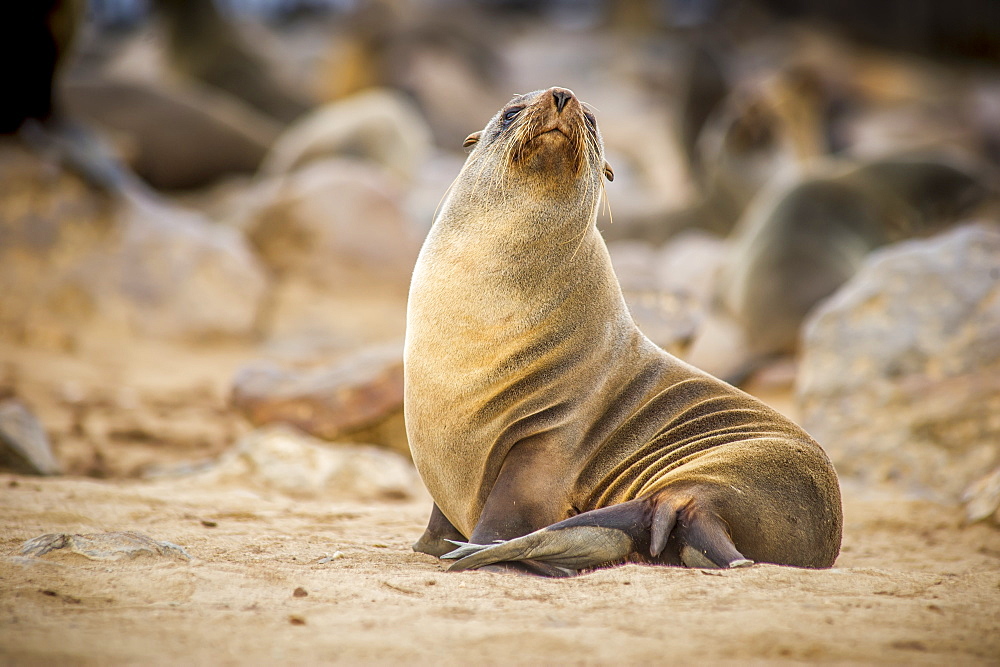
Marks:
<point>616,534</point>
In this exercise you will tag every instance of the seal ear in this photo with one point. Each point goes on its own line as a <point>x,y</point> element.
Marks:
<point>471,139</point>
<point>609,173</point>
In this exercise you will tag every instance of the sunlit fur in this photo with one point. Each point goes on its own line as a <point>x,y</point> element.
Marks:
<point>530,395</point>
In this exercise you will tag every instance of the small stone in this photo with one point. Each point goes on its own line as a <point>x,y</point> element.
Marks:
<point>336,555</point>
<point>111,546</point>
<point>24,446</point>
<point>300,592</point>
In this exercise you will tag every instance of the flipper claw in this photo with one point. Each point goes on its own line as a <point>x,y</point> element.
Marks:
<point>464,549</point>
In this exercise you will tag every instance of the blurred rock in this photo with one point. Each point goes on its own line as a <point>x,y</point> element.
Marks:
<point>689,264</point>
<point>379,125</point>
<point>667,289</point>
<point>336,223</point>
<point>434,178</point>
<point>174,135</point>
<point>284,460</point>
<point>982,498</point>
<point>70,256</point>
<point>635,265</point>
<point>204,44</point>
<point>125,545</point>
<point>358,399</point>
<point>24,447</point>
<point>900,371</point>
<point>669,319</point>
<point>182,276</point>
<point>449,61</point>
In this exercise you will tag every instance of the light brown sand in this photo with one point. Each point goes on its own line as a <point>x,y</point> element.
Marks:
<point>912,585</point>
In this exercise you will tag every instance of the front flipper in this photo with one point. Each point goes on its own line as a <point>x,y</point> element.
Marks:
<point>440,531</point>
<point>591,539</point>
<point>617,534</point>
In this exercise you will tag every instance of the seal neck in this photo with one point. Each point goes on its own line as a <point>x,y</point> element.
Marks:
<point>525,212</point>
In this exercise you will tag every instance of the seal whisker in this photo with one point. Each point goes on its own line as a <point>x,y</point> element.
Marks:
<point>607,203</point>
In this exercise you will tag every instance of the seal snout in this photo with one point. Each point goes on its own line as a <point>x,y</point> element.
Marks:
<point>561,97</point>
<point>553,132</point>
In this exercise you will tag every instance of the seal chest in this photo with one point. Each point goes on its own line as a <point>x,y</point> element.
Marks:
<point>544,424</point>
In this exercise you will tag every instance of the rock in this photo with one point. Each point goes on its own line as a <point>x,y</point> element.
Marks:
<point>282,459</point>
<point>635,265</point>
<point>433,179</point>
<point>125,545</point>
<point>667,289</point>
<point>71,257</point>
<point>982,498</point>
<point>669,319</point>
<point>339,224</point>
<point>689,263</point>
<point>900,372</point>
<point>359,399</point>
<point>180,276</point>
<point>174,135</point>
<point>24,447</point>
<point>379,125</point>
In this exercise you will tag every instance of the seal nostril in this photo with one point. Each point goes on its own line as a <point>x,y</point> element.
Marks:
<point>561,97</point>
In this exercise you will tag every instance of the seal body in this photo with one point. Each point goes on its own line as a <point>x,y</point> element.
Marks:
<point>546,427</point>
<point>800,241</point>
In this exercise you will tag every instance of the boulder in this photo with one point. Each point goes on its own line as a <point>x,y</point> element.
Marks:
<point>136,264</point>
<point>282,459</point>
<point>339,224</point>
<point>900,371</point>
<point>178,275</point>
<point>380,126</point>
<point>357,399</point>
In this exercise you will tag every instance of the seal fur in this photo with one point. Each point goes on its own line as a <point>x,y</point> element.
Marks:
<point>547,428</point>
<point>801,240</point>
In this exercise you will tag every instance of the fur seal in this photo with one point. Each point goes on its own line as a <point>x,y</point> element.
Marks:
<point>551,433</point>
<point>801,240</point>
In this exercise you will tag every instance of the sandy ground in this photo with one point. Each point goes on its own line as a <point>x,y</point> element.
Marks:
<point>912,585</point>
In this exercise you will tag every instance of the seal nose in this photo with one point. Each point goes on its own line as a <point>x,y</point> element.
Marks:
<point>561,97</point>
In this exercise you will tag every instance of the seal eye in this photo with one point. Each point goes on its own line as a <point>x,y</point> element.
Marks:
<point>591,121</point>
<point>509,116</point>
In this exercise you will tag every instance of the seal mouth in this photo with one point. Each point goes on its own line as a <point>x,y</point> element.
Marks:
<point>518,133</point>
<point>554,130</point>
<point>553,134</point>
